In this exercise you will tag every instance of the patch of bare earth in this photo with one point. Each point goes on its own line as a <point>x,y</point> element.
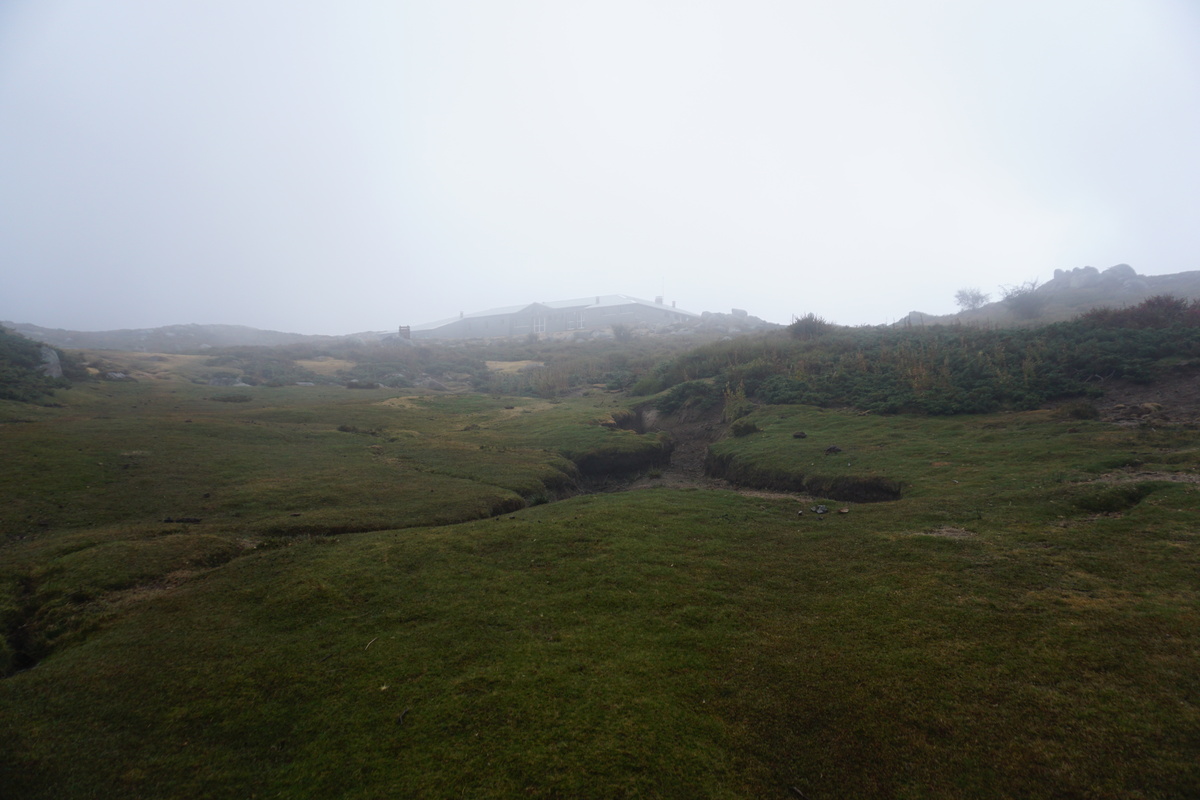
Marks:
<point>1174,398</point>
<point>327,366</point>
<point>946,532</point>
<point>513,367</point>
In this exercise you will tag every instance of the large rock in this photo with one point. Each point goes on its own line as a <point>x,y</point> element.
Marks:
<point>1077,278</point>
<point>51,366</point>
<point>1120,272</point>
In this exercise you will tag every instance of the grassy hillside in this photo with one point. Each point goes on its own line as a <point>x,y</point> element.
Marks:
<point>314,591</point>
<point>942,370</point>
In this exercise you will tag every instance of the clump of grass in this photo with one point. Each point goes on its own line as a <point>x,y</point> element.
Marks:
<point>1080,409</point>
<point>356,429</point>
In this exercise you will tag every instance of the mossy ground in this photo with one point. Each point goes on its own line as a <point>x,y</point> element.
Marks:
<point>987,635</point>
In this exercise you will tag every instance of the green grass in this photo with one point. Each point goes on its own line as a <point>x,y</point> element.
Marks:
<point>1009,628</point>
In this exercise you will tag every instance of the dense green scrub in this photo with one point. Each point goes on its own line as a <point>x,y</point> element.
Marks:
<point>1023,622</point>
<point>945,369</point>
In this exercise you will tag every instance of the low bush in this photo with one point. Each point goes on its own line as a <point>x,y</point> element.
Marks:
<point>1080,409</point>
<point>699,395</point>
<point>743,427</point>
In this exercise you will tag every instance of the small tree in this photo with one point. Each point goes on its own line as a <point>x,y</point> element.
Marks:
<point>971,299</point>
<point>1023,299</point>
<point>810,326</point>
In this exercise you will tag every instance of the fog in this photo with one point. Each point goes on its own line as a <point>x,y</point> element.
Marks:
<point>344,167</point>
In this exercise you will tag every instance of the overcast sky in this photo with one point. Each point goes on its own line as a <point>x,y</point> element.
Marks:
<point>341,167</point>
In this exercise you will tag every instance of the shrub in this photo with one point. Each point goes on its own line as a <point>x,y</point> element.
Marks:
<point>743,427</point>
<point>1160,311</point>
<point>1080,409</point>
<point>810,326</point>
<point>699,395</point>
<point>736,404</point>
<point>1023,300</point>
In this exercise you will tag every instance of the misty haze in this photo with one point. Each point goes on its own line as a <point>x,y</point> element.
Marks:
<point>333,171</point>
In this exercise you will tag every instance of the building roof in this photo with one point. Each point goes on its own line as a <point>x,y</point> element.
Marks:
<point>595,301</point>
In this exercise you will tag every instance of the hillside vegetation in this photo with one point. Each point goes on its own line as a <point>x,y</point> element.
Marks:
<point>218,590</point>
<point>1067,295</point>
<point>941,370</point>
<point>21,375</point>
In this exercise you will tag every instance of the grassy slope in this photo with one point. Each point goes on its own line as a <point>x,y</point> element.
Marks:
<point>989,635</point>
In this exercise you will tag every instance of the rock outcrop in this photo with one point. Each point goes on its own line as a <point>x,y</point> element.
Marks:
<point>51,366</point>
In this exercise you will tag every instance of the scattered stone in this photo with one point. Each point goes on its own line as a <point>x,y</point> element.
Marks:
<point>799,435</point>
<point>832,449</point>
<point>820,509</point>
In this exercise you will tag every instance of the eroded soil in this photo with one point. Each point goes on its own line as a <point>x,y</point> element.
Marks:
<point>1174,399</point>
<point>692,432</point>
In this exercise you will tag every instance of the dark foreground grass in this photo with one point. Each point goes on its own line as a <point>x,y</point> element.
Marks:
<point>660,643</point>
<point>991,634</point>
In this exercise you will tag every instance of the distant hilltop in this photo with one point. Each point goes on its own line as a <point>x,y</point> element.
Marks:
<point>595,317</point>
<point>1068,294</point>
<point>167,339</point>
<point>582,317</point>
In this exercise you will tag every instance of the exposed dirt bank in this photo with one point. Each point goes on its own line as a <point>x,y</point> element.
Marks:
<point>691,432</point>
<point>1173,399</point>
